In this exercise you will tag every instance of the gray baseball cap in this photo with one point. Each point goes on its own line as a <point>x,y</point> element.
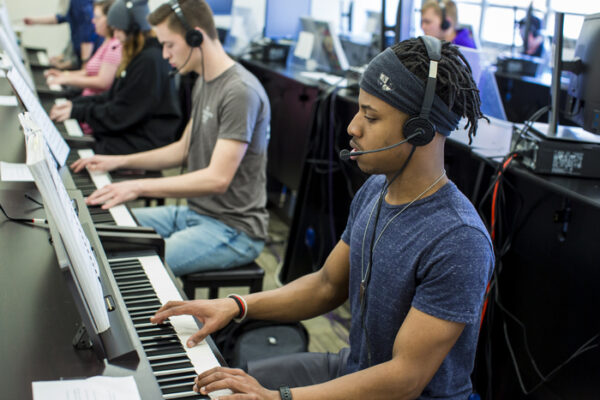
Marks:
<point>129,15</point>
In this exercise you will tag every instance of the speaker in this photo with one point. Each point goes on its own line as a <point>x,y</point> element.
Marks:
<point>419,130</point>
<point>193,37</point>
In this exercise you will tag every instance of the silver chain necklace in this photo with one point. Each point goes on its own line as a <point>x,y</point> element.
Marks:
<point>364,274</point>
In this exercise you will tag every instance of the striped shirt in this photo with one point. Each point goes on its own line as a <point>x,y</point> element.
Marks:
<point>108,53</point>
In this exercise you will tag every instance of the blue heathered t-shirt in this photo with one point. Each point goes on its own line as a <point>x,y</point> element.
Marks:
<point>436,256</point>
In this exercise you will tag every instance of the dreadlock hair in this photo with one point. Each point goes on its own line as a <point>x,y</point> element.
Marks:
<point>455,85</point>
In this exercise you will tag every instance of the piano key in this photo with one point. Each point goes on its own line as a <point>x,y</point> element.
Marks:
<point>173,364</point>
<point>42,58</point>
<point>174,377</point>
<point>73,128</point>
<point>163,344</point>
<point>120,213</point>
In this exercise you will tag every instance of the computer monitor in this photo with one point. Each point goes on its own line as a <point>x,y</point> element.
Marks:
<point>489,93</point>
<point>321,46</point>
<point>220,7</point>
<point>247,25</point>
<point>283,18</point>
<point>583,100</point>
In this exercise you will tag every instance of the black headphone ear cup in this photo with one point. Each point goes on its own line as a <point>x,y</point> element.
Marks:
<point>422,130</point>
<point>445,24</point>
<point>194,38</point>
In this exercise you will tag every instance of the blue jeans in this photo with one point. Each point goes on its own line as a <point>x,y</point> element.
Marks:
<point>195,242</point>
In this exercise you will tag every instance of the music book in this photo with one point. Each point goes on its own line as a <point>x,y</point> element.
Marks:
<point>58,146</point>
<point>83,264</point>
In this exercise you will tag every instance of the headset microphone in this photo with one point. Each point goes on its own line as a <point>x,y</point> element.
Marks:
<point>175,71</point>
<point>346,154</point>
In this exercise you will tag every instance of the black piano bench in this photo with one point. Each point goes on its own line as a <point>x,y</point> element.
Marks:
<point>250,275</point>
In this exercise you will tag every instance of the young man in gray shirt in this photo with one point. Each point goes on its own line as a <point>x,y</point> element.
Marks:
<point>225,146</point>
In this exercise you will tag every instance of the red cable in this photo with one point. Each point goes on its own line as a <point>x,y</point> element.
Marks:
<point>493,227</point>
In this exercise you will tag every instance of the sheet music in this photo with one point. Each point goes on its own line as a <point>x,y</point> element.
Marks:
<point>58,203</point>
<point>97,388</point>
<point>14,54</point>
<point>57,144</point>
<point>5,21</point>
<point>11,172</point>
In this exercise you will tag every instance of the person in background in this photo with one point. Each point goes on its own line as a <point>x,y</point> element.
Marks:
<point>224,146</point>
<point>440,19</point>
<point>98,74</point>
<point>140,111</point>
<point>79,17</point>
<point>533,37</point>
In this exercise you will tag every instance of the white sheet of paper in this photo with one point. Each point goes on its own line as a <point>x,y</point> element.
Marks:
<point>57,144</point>
<point>97,388</point>
<point>305,44</point>
<point>8,101</point>
<point>12,172</point>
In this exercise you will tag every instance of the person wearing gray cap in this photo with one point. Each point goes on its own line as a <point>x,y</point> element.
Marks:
<point>141,110</point>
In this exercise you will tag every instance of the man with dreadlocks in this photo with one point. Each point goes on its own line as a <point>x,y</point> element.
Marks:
<point>413,261</point>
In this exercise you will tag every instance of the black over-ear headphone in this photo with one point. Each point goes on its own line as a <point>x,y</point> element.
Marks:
<point>193,37</point>
<point>445,23</point>
<point>419,130</point>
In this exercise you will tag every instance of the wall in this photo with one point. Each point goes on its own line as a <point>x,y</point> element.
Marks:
<point>51,37</point>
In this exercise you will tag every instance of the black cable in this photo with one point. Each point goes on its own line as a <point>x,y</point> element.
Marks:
<point>501,247</point>
<point>28,221</point>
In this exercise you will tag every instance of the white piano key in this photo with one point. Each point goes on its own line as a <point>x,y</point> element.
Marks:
<point>73,128</point>
<point>43,58</point>
<point>119,213</point>
<point>201,356</point>
<point>55,87</point>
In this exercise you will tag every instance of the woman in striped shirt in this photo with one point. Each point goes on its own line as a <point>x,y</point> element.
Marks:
<point>98,74</point>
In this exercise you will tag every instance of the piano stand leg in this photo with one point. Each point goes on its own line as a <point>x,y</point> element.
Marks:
<point>81,340</point>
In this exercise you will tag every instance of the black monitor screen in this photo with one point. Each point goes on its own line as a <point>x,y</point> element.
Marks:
<point>283,17</point>
<point>220,7</point>
<point>583,105</point>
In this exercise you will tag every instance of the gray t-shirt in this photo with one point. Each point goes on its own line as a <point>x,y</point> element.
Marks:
<point>233,106</point>
<point>435,256</point>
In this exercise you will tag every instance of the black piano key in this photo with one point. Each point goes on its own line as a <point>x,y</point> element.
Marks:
<point>175,361</point>
<point>142,303</point>
<point>140,297</point>
<point>147,324</point>
<point>159,340</point>
<point>175,379</point>
<point>132,295</point>
<point>140,284</point>
<point>155,332</point>
<point>185,388</point>
<point>183,366</point>
<point>164,350</point>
